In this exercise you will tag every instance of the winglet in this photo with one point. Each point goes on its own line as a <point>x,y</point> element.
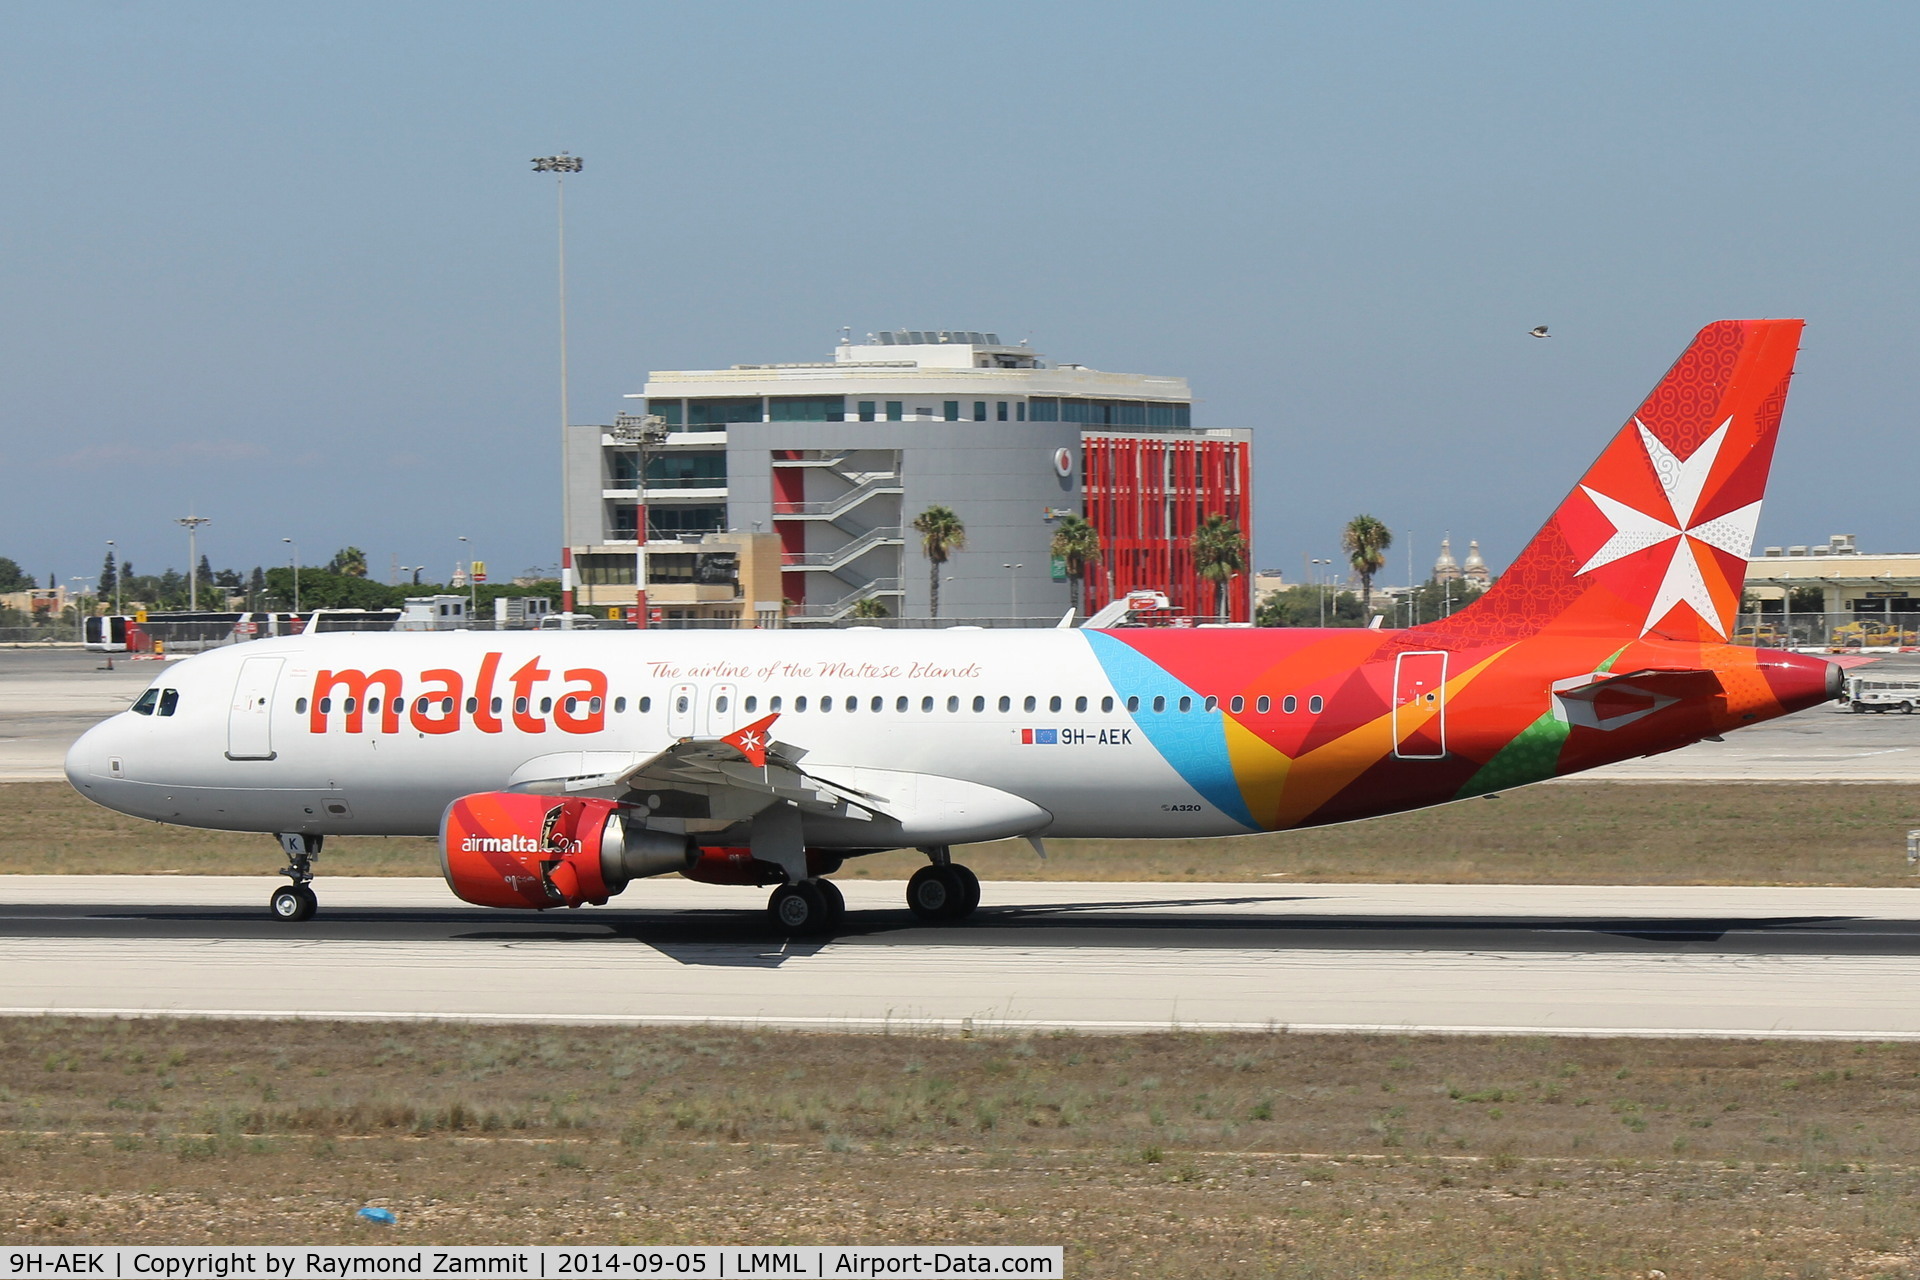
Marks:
<point>752,741</point>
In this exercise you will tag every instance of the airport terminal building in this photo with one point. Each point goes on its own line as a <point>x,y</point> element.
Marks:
<point>825,465</point>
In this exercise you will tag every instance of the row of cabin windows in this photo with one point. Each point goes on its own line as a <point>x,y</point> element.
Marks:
<point>751,703</point>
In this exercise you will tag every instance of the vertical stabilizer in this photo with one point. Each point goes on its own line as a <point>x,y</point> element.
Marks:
<point>1654,539</point>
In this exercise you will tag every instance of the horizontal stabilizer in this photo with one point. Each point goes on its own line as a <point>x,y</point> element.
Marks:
<point>1604,701</point>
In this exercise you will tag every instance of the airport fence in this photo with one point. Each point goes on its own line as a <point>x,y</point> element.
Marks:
<point>1837,632</point>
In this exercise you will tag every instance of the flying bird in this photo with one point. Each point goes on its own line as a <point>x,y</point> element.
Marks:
<point>1538,331</point>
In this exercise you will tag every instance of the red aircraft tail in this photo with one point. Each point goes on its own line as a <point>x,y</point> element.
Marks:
<point>1654,538</point>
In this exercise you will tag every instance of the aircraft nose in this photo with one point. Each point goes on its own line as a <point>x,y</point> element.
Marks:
<point>90,759</point>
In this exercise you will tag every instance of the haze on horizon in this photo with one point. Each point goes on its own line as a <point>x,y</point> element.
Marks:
<point>289,267</point>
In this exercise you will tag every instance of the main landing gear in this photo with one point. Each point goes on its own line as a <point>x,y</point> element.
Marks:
<point>944,891</point>
<point>296,902</point>
<point>807,906</point>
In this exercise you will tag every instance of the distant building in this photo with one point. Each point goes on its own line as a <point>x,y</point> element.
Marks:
<point>1849,580</point>
<point>834,459</point>
<point>1446,569</point>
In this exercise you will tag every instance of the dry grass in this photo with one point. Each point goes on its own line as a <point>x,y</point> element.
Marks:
<point>1568,833</point>
<point>1238,1155</point>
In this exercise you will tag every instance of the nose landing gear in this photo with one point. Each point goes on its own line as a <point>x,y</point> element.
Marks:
<point>296,902</point>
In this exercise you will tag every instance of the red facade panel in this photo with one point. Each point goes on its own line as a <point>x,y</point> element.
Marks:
<point>1146,495</point>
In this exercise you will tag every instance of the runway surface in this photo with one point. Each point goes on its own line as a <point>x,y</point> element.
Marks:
<point>1094,957</point>
<point>49,698</point>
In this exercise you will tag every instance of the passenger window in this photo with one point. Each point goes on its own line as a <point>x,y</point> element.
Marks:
<point>926,703</point>
<point>619,705</point>
<point>373,707</point>
<point>1315,704</point>
<point>773,703</point>
<point>752,704</point>
<point>300,706</point>
<point>326,706</point>
<point>953,704</point>
<point>646,705</point>
<point>880,704</point>
<point>1133,703</point>
<point>720,703</point>
<point>446,706</point>
<point>1080,703</point>
<point>1053,703</point>
<point>473,705</point>
<point>1212,704</point>
<point>1263,705</point>
<point>144,704</point>
<point>979,703</point>
<point>800,703</point>
<point>899,704</point>
<point>1032,704</point>
<point>346,706</point>
<point>1006,703</point>
<point>681,703</point>
<point>570,704</point>
<point>546,705</point>
<point>1106,704</point>
<point>494,706</point>
<point>420,705</point>
<point>1289,704</point>
<point>1239,704</point>
<point>1186,703</point>
<point>852,701</point>
<point>519,706</point>
<point>1159,703</point>
<point>826,703</point>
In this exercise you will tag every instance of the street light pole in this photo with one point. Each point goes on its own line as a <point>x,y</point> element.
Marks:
<point>1013,589</point>
<point>645,434</point>
<point>293,561</point>
<point>560,166</point>
<point>1320,584</point>
<point>193,523</point>
<point>473,589</point>
<point>116,576</point>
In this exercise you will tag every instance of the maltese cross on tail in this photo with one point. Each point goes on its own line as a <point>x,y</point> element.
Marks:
<point>1677,529</point>
<point>753,741</point>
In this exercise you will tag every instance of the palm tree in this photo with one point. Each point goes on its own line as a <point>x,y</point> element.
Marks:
<point>1365,540</point>
<point>351,561</point>
<point>941,534</point>
<point>1078,544</point>
<point>869,608</point>
<point>1219,552</point>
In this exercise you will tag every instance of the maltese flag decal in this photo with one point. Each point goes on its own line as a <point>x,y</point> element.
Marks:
<point>752,741</point>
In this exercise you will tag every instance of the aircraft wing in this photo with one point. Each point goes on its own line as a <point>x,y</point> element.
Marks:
<point>703,785</point>
<point>1612,701</point>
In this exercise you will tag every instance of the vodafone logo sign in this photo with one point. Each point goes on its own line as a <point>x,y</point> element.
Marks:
<point>1063,463</point>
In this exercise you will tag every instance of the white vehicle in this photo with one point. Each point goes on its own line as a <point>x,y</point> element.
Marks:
<point>1880,693</point>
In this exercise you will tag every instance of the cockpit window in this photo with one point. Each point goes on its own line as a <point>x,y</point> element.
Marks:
<point>169,701</point>
<point>145,705</point>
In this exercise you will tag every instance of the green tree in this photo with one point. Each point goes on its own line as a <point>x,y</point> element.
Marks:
<point>1365,540</point>
<point>351,561</point>
<point>11,578</point>
<point>941,534</point>
<point>1300,606</point>
<point>1219,552</point>
<point>869,608</point>
<point>1435,600</point>
<point>109,576</point>
<point>1077,543</point>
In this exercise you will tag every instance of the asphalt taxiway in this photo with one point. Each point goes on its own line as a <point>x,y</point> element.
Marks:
<point>1091,957</point>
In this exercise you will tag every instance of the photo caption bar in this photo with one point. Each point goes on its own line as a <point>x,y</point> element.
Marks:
<point>353,1262</point>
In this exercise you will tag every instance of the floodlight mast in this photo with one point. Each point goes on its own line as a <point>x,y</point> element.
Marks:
<point>644,434</point>
<point>560,166</point>
<point>193,523</point>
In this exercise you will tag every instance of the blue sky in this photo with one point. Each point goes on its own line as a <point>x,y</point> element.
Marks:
<point>287,265</point>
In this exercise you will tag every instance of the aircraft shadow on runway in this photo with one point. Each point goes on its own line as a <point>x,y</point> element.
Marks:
<point>743,939</point>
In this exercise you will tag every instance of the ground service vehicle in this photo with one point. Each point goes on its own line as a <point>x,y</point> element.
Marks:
<point>558,767</point>
<point>1880,693</point>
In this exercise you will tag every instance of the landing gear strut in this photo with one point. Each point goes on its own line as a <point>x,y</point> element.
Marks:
<point>944,891</point>
<point>296,902</point>
<point>807,906</point>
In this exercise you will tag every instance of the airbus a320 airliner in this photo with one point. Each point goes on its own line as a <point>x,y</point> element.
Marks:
<point>557,768</point>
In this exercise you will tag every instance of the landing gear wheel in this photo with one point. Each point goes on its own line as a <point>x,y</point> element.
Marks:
<point>971,883</point>
<point>938,894</point>
<point>836,902</point>
<point>293,903</point>
<point>798,908</point>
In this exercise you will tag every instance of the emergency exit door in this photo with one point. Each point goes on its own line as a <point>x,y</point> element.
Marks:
<point>1420,706</point>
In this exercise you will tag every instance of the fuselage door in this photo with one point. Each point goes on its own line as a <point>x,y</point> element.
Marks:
<point>1420,706</point>
<point>250,718</point>
<point>683,711</point>
<point>723,710</point>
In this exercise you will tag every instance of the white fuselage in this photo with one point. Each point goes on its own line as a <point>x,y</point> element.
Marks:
<point>271,736</point>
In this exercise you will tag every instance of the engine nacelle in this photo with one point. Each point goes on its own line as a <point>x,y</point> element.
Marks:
<point>735,864</point>
<point>511,849</point>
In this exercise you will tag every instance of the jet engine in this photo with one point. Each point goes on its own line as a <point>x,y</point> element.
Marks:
<point>510,849</point>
